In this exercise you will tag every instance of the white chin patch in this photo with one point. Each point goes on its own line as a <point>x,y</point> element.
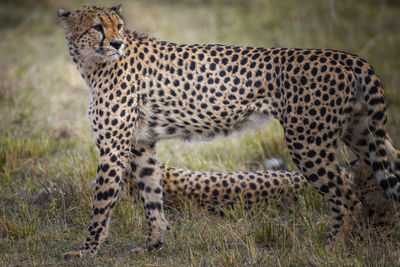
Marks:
<point>114,57</point>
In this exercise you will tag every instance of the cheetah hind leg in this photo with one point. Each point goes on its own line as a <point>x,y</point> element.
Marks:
<point>393,156</point>
<point>321,168</point>
<point>145,171</point>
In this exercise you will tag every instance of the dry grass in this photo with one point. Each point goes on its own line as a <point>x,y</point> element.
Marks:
<point>45,139</point>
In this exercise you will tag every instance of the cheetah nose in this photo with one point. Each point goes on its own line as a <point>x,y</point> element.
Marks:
<point>116,44</point>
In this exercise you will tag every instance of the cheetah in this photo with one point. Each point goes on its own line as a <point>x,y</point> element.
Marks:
<point>214,190</point>
<point>377,212</point>
<point>144,90</point>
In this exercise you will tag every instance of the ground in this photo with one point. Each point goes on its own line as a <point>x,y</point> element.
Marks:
<point>45,140</point>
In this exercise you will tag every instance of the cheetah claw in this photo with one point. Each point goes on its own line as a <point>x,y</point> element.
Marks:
<point>78,254</point>
<point>73,254</point>
<point>139,250</point>
<point>143,250</point>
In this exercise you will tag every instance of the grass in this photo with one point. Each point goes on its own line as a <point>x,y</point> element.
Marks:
<point>45,138</point>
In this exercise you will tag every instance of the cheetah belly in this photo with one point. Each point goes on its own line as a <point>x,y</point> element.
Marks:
<point>205,129</point>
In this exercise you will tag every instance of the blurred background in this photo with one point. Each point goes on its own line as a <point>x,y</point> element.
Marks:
<point>45,137</point>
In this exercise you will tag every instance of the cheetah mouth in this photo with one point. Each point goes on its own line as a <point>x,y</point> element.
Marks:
<point>109,54</point>
<point>114,54</point>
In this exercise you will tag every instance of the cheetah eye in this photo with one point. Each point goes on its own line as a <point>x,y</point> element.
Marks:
<point>98,27</point>
<point>119,26</point>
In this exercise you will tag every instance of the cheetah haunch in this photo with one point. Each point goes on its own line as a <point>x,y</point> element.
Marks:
<point>144,90</point>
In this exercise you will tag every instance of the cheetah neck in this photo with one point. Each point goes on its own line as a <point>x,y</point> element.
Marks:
<point>89,66</point>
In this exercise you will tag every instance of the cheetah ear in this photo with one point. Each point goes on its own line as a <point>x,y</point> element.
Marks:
<point>64,17</point>
<point>63,14</point>
<point>117,9</point>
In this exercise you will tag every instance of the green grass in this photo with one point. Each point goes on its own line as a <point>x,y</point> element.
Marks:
<point>45,138</point>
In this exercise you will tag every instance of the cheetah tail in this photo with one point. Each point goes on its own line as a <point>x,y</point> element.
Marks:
<point>378,141</point>
<point>393,157</point>
<point>218,189</point>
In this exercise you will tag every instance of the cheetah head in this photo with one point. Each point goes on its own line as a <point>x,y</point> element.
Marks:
<point>94,33</point>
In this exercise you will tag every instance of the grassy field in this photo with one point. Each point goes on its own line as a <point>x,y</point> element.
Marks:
<point>45,138</point>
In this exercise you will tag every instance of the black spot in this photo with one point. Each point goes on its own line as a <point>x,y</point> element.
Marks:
<point>105,167</point>
<point>115,107</point>
<point>146,172</point>
<point>313,178</point>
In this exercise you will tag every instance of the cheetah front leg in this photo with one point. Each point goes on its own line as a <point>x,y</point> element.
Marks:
<point>146,170</point>
<point>108,186</point>
<point>113,159</point>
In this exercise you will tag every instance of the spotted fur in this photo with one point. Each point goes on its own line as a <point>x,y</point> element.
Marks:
<point>145,90</point>
<point>214,190</point>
